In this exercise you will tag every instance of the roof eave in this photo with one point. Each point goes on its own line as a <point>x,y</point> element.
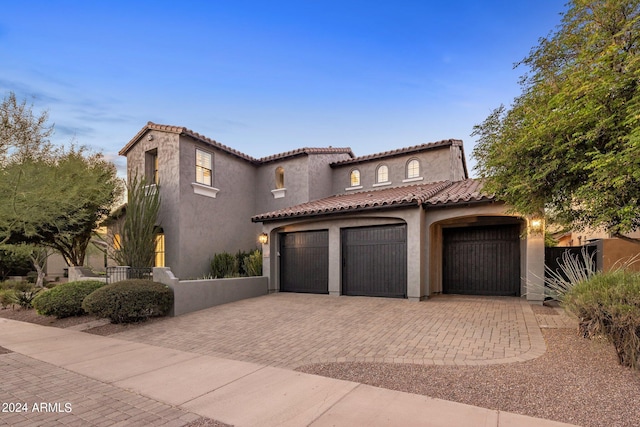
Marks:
<point>410,204</point>
<point>461,203</point>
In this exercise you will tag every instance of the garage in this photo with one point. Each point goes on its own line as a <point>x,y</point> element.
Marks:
<point>374,261</point>
<point>483,260</point>
<point>304,262</point>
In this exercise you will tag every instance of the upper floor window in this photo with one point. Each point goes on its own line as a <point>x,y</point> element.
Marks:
<point>413,169</point>
<point>203,167</point>
<point>354,178</point>
<point>279,177</point>
<point>151,166</point>
<point>382,174</point>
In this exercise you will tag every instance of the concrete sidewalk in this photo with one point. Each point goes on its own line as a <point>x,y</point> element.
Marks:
<point>178,386</point>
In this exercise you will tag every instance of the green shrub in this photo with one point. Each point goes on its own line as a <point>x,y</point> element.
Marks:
<point>608,304</point>
<point>65,300</point>
<point>7,297</point>
<point>240,257</point>
<point>253,263</point>
<point>224,265</point>
<point>130,301</point>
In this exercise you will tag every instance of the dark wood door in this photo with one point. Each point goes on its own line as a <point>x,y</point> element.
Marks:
<point>374,261</point>
<point>481,260</point>
<point>304,262</point>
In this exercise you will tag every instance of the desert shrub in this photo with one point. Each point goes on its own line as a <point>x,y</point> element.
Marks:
<point>224,265</point>
<point>32,276</point>
<point>18,285</point>
<point>253,263</point>
<point>608,304</point>
<point>65,300</point>
<point>7,297</point>
<point>130,301</point>
<point>574,269</point>
<point>23,294</point>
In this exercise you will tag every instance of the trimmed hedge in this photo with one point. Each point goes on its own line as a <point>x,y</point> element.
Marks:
<point>130,301</point>
<point>65,300</point>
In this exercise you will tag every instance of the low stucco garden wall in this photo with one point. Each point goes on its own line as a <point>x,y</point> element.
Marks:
<point>194,295</point>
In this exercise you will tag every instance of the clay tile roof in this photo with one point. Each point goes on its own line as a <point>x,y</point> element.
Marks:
<point>460,192</point>
<point>308,150</point>
<point>411,195</point>
<point>400,151</point>
<point>180,130</point>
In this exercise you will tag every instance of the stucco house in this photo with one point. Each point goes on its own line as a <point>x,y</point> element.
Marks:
<point>405,223</point>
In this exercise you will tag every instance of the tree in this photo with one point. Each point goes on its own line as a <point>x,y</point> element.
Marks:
<point>89,184</point>
<point>134,235</point>
<point>570,143</point>
<point>22,134</point>
<point>51,196</point>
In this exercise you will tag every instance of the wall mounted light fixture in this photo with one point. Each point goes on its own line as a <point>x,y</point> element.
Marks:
<point>263,238</point>
<point>536,225</point>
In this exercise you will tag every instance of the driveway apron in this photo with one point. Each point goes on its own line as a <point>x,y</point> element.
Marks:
<point>290,330</point>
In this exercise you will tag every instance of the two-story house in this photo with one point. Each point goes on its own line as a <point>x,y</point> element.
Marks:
<point>405,223</point>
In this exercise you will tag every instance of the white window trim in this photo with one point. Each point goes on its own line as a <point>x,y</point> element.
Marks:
<point>278,193</point>
<point>210,168</point>
<point>357,187</point>
<point>204,190</point>
<point>419,178</point>
<point>382,184</point>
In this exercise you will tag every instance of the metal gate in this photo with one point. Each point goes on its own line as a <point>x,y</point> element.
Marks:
<point>481,260</point>
<point>374,261</point>
<point>304,262</point>
<point>553,258</point>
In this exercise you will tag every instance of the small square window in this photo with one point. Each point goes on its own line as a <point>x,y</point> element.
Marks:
<point>203,167</point>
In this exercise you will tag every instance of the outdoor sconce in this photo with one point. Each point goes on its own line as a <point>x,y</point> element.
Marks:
<point>536,225</point>
<point>263,238</point>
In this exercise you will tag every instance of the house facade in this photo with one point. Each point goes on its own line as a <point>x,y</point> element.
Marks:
<point>406,223</point>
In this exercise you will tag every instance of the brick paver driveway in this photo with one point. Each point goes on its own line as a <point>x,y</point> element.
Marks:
<point>291,330</point>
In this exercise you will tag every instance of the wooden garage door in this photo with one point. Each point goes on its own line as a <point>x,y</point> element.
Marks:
<point>304,262</point>
<point>374,261</point>
<point>482,260</point>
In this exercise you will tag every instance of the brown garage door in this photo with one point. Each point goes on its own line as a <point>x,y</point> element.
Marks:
<point>482,260</point>
<point>374,261</point>
<point>304,262</point>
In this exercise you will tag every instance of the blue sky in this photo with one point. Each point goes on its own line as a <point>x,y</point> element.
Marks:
<point>266,77</point>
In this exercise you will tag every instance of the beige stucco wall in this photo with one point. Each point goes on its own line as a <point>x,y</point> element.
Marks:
<point>415,252</point>
<point>435,165</point>
<point>616,252</point>
<point>196,226</point>
<point>307,177</point>
<point>296,184</point>
<point>531,246</point>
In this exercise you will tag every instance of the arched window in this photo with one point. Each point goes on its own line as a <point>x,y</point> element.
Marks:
<point>413,169</point>
<point>354,178</point>
<point>279,177</point>
<point>382,174</point>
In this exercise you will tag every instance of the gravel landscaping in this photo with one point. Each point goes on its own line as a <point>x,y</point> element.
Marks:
<point>576,381</point>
